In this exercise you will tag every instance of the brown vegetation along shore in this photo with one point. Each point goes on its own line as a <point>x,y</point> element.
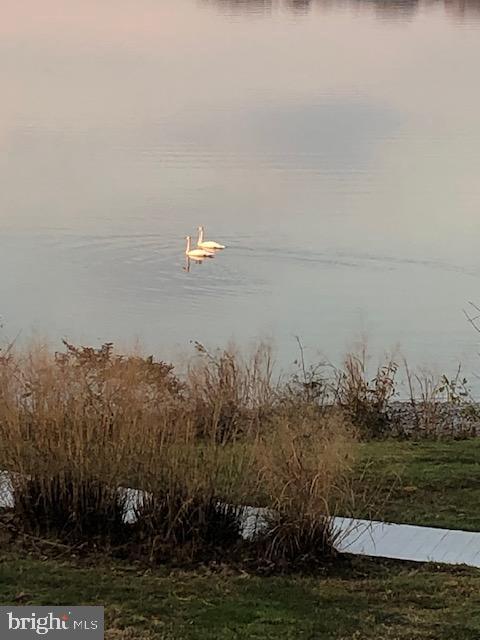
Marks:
<point>434,419</point>
<point>78,424</point>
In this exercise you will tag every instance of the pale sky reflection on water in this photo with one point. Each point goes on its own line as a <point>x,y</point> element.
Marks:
<point>334,146</point>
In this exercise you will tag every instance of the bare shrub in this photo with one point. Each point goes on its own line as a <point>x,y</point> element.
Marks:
<point>441,405</point>
<point>365,401</point>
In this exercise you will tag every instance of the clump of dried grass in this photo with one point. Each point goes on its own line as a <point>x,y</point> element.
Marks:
<point>231,396</point>
<point>306,469</point>
<point>77,426</point>
<point>69,507</point>
<point>365,400</point>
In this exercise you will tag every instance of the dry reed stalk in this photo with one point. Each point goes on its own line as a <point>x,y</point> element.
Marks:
<point>75,426</point>
<point>364,400</point>
<point>231,396</point>
<point>306,469</point>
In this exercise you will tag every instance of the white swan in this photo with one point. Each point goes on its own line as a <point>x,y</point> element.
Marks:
<point>197,254</point>
<point>207,244</point>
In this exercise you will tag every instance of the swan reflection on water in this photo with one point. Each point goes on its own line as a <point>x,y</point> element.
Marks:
<point>205,249</point>
<point>188,262</point>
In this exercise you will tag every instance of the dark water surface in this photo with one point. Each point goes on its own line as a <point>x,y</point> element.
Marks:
<point>334,146</point>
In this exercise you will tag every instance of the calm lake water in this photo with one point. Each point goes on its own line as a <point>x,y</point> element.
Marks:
<point>334,146</point>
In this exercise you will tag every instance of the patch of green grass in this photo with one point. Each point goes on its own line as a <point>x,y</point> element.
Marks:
<point>366,599</point>
<point>426,482</point>
<point>429,483</point>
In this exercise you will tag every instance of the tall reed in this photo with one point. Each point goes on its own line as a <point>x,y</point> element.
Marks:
<point>78,427</point>
<point>306,469</point>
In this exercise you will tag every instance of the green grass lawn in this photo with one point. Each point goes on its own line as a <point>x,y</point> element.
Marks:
<point>367,600</point>
<point>428,483</point>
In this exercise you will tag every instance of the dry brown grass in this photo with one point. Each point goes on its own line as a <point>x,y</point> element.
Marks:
<point>231,396</point>
<point>306,469</point>
<point>364,400</point>
<point>77,425</point>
